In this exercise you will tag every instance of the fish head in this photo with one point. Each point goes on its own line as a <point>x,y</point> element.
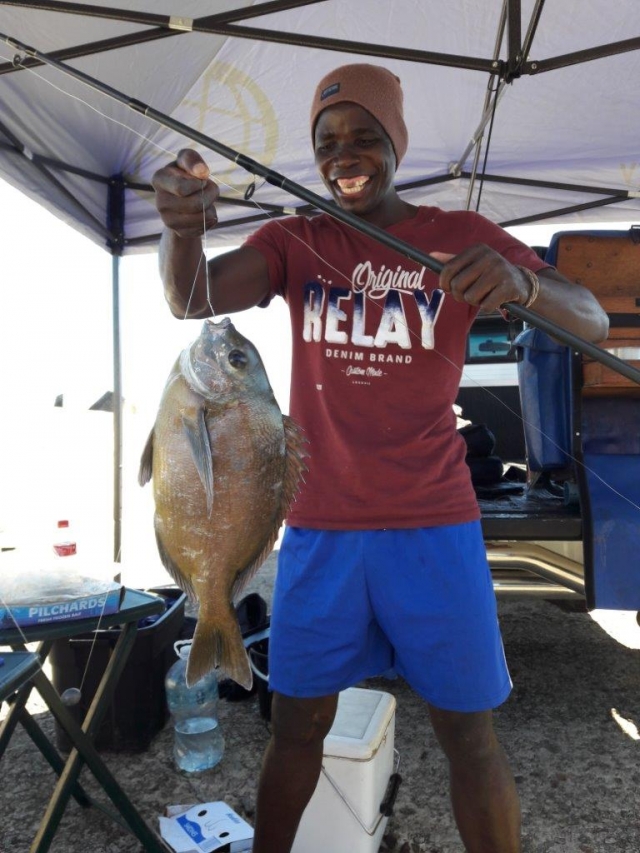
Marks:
<point>222,364</point>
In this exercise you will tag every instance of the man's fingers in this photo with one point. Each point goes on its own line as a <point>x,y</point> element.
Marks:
<point>185,195</point>
<point>174,180</point>
<point>187,175</point>
<point>443,257</point>
<point>186,215</point>
<point>190,161</point>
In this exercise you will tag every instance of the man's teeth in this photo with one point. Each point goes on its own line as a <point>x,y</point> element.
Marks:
<point>350,186</point>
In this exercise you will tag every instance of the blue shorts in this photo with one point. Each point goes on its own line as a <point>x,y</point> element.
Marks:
<point>350,605</point>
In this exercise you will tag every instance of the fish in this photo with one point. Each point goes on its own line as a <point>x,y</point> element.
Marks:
<point>225,466</point>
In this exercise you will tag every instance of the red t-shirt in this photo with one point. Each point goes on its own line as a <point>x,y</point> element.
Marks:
<point>378,352</point>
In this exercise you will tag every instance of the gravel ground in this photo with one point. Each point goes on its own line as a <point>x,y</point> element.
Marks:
<point>570,728</point>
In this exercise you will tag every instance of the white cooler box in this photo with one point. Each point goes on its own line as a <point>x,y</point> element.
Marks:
<point>344,813</point>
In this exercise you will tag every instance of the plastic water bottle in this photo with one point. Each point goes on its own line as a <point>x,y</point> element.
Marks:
<point>198,743</point>
<point>64,543</point>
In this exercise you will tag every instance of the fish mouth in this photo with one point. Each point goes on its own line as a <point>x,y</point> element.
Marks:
<point>217,325</point>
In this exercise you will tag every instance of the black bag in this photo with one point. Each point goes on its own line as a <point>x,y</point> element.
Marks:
<point>479,439</point>
<point>487,474</point>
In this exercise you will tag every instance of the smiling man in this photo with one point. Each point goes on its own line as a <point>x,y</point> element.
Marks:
<point>382,563</point>
<point>366,113</point>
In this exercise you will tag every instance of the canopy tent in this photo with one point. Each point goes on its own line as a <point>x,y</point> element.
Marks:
<point>551,83</point>
<point>524,109</point>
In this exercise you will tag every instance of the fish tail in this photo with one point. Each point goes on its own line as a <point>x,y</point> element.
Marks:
<point>213,646</point>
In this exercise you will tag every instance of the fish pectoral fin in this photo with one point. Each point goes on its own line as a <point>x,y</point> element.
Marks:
<point>198,438</point>
<point>145,471</point>
<point>214,646</point>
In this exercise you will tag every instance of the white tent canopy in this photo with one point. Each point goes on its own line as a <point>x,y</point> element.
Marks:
<point>562,140</point>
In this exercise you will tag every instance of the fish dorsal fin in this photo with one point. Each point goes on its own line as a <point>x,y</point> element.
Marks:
<point>295,466</point>
<point>145,471</point>
<point>198,438</point>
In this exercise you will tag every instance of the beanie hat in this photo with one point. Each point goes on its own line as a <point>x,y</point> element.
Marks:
<point>371,87</point>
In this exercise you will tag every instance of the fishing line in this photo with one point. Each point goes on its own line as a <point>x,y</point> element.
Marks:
<point>95,638</point>
<point>193,288</point>
<point>204,255</point>
<point>340,272</point>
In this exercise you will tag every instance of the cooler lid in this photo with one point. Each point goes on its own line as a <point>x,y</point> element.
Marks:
<point>361,723</point>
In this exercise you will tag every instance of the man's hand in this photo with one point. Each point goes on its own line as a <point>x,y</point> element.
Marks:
<point>185,196</point>
<point>480,276</point>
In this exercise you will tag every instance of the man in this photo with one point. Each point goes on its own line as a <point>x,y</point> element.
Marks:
<point>383,563</point>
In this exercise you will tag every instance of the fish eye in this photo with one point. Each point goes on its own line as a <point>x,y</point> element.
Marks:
<point>238,359</point>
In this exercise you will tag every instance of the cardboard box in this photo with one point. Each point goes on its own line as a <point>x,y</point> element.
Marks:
<point>37,589</point>
<point>207,827</point>
<point>62,609</point>
<point>344,813</point>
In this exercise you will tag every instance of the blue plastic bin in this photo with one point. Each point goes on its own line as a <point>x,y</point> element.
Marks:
<point>544,379</point>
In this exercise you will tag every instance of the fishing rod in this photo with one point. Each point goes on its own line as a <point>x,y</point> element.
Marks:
<point>276,179</point>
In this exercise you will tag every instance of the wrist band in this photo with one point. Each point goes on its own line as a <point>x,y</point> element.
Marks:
<point>535,286</point>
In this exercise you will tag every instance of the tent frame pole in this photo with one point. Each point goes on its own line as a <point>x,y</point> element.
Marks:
<point>115,223</point>
<point>221,23</point>
<point>117,411</point>
<point>476,139</point>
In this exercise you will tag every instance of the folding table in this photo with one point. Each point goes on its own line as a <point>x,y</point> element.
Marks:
<point>24,671</point>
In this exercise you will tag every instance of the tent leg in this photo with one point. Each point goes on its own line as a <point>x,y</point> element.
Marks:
<point>117,412</point>
<point>115,224</point>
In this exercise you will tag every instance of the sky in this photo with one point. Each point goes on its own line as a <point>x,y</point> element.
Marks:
<point>56,338</point>
<point>56,313</point>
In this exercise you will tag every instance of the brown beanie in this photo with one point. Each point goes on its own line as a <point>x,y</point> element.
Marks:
<point>373,88</point>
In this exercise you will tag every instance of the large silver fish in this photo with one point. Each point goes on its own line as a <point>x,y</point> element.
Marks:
<point>226,464</point>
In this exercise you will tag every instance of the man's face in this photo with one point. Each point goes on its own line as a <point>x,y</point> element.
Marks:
<point>355,158</point>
